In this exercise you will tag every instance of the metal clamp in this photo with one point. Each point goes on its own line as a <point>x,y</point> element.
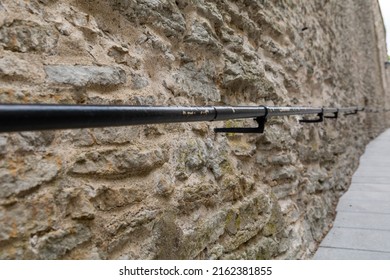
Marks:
<point>320,118</point>
<point>335,115</point>
<point>259,129</point>
<point>352,113</point>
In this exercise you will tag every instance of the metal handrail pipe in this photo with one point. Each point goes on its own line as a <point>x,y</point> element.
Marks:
<point>32,117</point>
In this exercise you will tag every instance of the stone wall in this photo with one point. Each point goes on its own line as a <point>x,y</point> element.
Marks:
<point>179,190</point>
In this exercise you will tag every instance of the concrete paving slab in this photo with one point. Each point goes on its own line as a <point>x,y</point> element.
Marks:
<point>381,207</point>
<point>377,148</point>
<point>372,180</point>
<point>370,171</point>
<point>369,163</point>
<point>371,187</point>
<point>359,239</point>
<point>375,152</point>
<point>376,158</point>
<point>378,142</point>
<point>348,254</point>
<point>363,220</point>
<point>367,195</point>
<point>373,171</point>
<point>361,229</point>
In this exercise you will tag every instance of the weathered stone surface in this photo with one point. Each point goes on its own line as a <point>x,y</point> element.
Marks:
<point>316,213</point>
<point>252,216</point>
<point>196,156</point>
<point>32,141</point>
<point>128,162</point>
<point>201,35</point>
<point>107,199</point>
<point>281,159</point>
<point>164,187</point>
<point>26,36</point>
<point>196,83</point>
<point>129,222</point>
<point>77,203</point>
<point>318,179</point>
<point>139,81</point>
<point>79,137</point>
<point>115,135</point>
<point>190,156</point>
<point>264,249</point>
<point>283,190</point>
<point>285,173</point>
<point>240,72</point>
<point>3,144</point>
<point>248,75</point>
<point>57,243</point>
<point>85,75</point>
<point>20,177</point>
<point>241,224</point>
<point>19,220</point>
<point>195,238</point>
<point>83,21</point>
<point>121,55</point>
<point>211,12</point>
<point>164,14</point>
<point>235,188</point>
<point>20,68</point>
<point>242,149</point>
<point>196,196</point>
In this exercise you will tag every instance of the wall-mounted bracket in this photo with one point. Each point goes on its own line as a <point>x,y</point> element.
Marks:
<point>260,129</point>
<point>318,120</point>
<point>335,115</point>
<point>352,113</point>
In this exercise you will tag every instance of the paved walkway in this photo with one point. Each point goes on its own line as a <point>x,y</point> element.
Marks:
<point>362,226</point>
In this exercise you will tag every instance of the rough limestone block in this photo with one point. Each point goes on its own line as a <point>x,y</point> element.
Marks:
<point>28,36</point>
<point>3,144</point>
<point>127,162</point>
<point>31,217</point>
<point>85,75</point>
<point>165,15</point>
<point>56,243</point>
<point>201,35</point>
<point>31,173</point>
<point>193,82</point>
<point>12,66</point>
<point>107,199</point>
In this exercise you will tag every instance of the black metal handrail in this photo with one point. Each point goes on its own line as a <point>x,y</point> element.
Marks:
<point>32,117</point>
